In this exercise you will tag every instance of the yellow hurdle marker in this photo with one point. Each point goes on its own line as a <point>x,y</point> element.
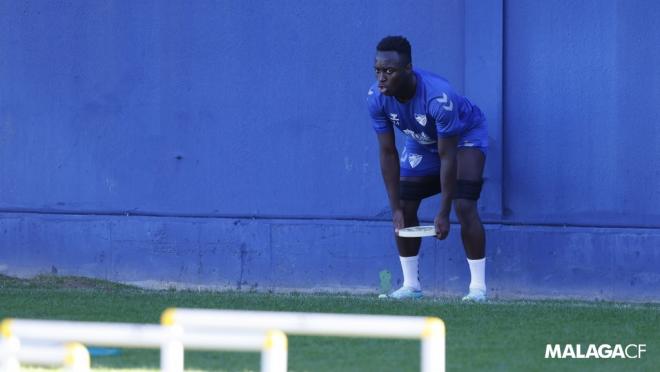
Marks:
<point>431,331</point>
<point>5,328</point>
<point>169,337</point>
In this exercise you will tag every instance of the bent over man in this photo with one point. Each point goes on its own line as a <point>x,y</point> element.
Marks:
<point>445,151</point>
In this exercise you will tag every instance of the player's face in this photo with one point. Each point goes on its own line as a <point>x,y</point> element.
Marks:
<point>392,73</point>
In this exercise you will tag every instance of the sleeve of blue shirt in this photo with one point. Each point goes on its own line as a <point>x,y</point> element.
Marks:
<point>379,121</point>
<point>444,109</point>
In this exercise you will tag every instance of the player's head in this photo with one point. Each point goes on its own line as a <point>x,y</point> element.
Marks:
<point>393,65</point>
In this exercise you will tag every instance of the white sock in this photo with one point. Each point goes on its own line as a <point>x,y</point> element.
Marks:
<point>410,268</point>
<point>477,273</point>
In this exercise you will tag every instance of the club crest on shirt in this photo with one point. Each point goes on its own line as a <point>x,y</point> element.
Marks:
<point>421,119</point>
<point>414,159</point>
<point>394,118</point>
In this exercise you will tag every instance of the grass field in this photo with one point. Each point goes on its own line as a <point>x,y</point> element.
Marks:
<point>497,336</point>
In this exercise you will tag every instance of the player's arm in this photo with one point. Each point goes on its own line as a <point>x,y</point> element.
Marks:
<point>447,152</point>
<point>388,155</point>
<point>444,111</point>
<point>389,167</point>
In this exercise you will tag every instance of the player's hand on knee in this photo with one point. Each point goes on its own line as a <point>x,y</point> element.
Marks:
<point>442,225</point>
<point>397,219</point>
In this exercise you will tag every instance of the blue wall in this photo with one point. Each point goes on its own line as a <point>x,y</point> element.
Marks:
<point>226,143</point>
<point>582,113</point>
<point>203,108</point>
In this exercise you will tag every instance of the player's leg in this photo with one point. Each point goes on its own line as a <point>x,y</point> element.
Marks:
<point>470,164</point>
<point>471,158</point>
<point>419,180</point>
<point>409,247</point>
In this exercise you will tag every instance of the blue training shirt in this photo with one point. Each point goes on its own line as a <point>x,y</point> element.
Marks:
<point>435,110</point>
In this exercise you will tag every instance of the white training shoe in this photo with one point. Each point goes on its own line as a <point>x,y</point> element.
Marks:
<point>475,295</point>
<point>404,293</point>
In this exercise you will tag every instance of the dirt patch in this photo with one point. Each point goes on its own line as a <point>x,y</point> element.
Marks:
<point>61,282</point>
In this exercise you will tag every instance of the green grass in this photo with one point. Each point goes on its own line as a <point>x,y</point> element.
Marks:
<point>498,336</point>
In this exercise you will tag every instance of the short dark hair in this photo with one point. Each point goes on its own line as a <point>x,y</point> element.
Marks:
<point>397,44</point>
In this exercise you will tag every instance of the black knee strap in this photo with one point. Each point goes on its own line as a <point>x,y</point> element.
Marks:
<point>470,190</point>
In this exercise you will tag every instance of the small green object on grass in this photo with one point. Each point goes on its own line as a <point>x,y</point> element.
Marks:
<point>385,282</point>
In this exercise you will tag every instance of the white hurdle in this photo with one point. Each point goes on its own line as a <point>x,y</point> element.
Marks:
<point>230,330</point>
<point>171,339</point>
<point>430,330</point>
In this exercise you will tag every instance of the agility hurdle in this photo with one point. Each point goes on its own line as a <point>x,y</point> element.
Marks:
<point>74,357</point>
<point>431,331</point>
<point>171,339</point>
